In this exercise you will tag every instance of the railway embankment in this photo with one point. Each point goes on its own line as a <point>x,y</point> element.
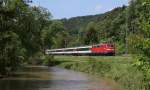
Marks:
<point>118,68</point>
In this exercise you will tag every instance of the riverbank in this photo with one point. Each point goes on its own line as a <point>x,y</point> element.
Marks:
<point>118,68</point>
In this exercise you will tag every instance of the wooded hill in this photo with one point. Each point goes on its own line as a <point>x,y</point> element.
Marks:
<point>77,23</point>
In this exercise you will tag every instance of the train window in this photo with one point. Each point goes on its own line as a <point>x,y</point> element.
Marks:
<point>96,46</point>
<point>82,49</point>
<point>112,45</point>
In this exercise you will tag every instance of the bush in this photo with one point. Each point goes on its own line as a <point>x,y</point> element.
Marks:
<point>49,60</point>
<point>126,75</point>
<point>120,48</point>
<point>37,59</point>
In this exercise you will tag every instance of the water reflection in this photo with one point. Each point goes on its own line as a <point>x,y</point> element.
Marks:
<point>44,78</point>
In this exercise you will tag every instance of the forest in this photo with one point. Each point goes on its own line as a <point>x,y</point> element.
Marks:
<point>26,31</point>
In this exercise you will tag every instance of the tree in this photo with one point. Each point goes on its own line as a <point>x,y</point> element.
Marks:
<point>21,27</point>
<point>90,35</point>
<point>139,40</point>
<point>10,47</point>
<point>49,34</point>
<point>56,26</point>
<point>61,40</point>
<point>11,52</point>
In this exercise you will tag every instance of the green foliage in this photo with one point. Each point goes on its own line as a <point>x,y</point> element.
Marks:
<point>56,26</point>
<point>50,60</point>
<point>35,21</point>
<point>139,40</point>
<point>36,59</point>
<point>120,48</point>
<point>20,33</point>
<point>90,35</point>
<point>130,77</point>
<point>11,54</point>
<point>76,23</point>
<point>61,40</point>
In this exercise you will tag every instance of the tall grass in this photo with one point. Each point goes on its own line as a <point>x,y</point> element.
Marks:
<point>118,68</point>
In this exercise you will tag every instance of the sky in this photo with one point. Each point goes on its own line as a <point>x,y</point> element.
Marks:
<point>72,8</point>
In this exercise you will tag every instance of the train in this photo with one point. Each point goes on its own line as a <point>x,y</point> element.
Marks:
<point>103,49</point>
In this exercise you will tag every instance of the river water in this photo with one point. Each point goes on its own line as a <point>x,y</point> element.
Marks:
<point>54,78</point>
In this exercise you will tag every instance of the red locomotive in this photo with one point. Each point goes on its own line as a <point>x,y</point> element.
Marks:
<point>100,49</point>
<point>103,49</point>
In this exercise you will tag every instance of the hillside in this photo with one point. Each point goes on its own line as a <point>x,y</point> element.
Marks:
<point>76,23</point>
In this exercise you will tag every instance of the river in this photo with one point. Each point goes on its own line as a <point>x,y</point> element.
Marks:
<point>54,78</point>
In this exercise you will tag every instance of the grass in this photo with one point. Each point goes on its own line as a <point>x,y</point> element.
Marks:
<point>119,68</point>
<point>107,59</point>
